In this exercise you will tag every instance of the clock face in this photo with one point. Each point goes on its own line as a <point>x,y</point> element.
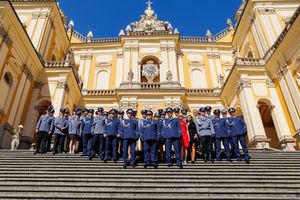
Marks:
<point>150,70</point>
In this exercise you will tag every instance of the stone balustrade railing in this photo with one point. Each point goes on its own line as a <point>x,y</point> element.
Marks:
<point>99,92</point>
<point>150,86</point>
<point>250,61</point>
<point>63,64</point>
<point>203,92</point>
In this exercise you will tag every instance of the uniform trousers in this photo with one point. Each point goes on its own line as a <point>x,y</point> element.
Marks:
<point>58,143</point>
<point>131,142</point>
<point>41,141</point>
<point>150,152</point>
<point>111,144</point>
<point>98,145</point>
<point>206,143</point>
<point>242,140</point>
<point>87,142</point>
<point>175,142</point>
<point>225,142</point>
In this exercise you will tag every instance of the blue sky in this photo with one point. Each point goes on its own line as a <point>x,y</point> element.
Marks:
<point>105,18</point>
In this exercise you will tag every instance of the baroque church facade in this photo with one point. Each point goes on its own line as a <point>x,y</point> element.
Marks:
<point>253,66</point>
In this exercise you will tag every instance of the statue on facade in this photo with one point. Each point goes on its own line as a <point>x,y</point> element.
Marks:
<point>169,76</point>
<point>16,137</point>
<point>130,76</point>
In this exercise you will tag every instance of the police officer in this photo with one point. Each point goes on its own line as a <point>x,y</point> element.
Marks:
<point>119,143</point>
<point>237,129</point>
<point>177,111</point>
<point>150,135</point>
<point>66,139</point>
<point>130,134</point>
<point>171,131</point>
<point>221,135</point>
<point>206,131</point>
<point>60,130</point>
<point>161,141</point>
<point>184,113</point>
<point>87,139</point>
<point>75,130</point>
<point>98,132</point>
<point>112,130</point>
<point>224,116</point>
<point>140,143</point>
<point>208,112</point>
<point>44,128</point>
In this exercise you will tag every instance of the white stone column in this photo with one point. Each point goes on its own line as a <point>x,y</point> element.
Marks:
<point>289,102</point>
<point>181,70</point>
<point>119,70</point>
<point>212,70</point>
<point>173,62</point>
<point>279,119</point>
<point>38,30</point>
<point>47,37</point>
<point>268,27</point>
<point>59,98</point>
<point>81,66</point>
<point>259,138</point>
<point>135,64</point>
<point>126,62</point>
<point>87,68</point>
<point>260,35</point>
<point>293,89</point>
<point>32,24</point>
<point>164,67</point>
<point>257,40</point>
<point>275,23</point>
<point>32,113</point>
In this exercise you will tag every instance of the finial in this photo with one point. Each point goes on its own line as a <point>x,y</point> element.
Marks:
<point>149,3</point>
<point>121,32</point>
<point>209,36</point>
<point>230,24</point>
<point>90,36</point>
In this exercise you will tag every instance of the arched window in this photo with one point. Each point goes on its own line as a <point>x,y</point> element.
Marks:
<point>198,79</point>
<point>102,80</point>
<point>6,87</point>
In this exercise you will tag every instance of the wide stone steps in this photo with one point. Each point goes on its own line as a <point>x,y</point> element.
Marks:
<point>270,175</point>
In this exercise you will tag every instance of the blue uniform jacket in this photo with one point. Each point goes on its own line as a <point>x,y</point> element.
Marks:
<point>220,128</point>
<point>205,126</point>
<point>75,127</point>
<point>59,123</point>
<point>236,126</point>
<point>112,127</point>
<point>150,130</point>
<point>98,125</point>
<point>171,128</point>
<point>87,124</point>
<point>45,123</point>
<point>130,129</point>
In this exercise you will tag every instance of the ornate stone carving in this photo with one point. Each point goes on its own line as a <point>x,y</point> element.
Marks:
<point>8,127</point>
<point>127,49</point>
<point>213,56</point>
<point>169,76</point>
<point>62,85</point>
<point>120,55</point>
<point>270,83</point>
<point>149,23</point>
<point>244,83</point>
<point>282,70</point>
<point>130,76</point>
<point>38,85</point>
<point>264,11</point>
<point>5,36</point>
<point>86,57</point>
<point>28,73</point>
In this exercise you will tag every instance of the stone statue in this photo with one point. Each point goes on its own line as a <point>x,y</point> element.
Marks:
<point>16,137</point>
<point>169,76</point>
<point>130,76</point>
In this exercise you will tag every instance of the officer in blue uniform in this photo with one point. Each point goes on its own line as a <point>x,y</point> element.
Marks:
<point>177,111</point>
<point>150,135</point>
<point>87,139</point>
<point>119,142</point>
<point>44,128</point>
<point>206,133</point>
<point>66,138</point>
<point>171,131</point>
<point>60,130</point>
<point>75,130</point>
<point>224,116</point>
<point>112,130</point>
<point>130,134</point>
<point>208,110</point>
<point>161,141</point>
<point>221,136</point>
<point>237,129</point>
<point>98,132</point>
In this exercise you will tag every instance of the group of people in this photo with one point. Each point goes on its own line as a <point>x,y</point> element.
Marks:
<point>110,134</point>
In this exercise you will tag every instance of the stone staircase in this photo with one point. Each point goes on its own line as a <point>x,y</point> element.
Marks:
<point>270,175</point>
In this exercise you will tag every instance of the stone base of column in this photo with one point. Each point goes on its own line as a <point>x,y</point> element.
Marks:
<point>259,142</point>
<point>287,143</point>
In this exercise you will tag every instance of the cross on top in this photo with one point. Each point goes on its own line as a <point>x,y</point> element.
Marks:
<point>149,3</point>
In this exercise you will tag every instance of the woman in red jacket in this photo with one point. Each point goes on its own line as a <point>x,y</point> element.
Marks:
<point>185,140</point>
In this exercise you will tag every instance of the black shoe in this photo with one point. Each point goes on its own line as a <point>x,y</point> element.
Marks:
<point>90,158</point>
<point>105,161</point>
<point>145,166</point>
<point>124,167</point>
<point>133,166</point>
<point>155,166</point>
<point>212,160</point>
<point>247,161</point>
<point>181,166</point>
<point>229,160</point>
<point>53,153</point>
<point>193,162</point>
<point>35,153</point>
<point>115,161</point>
<point>169,166</point>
